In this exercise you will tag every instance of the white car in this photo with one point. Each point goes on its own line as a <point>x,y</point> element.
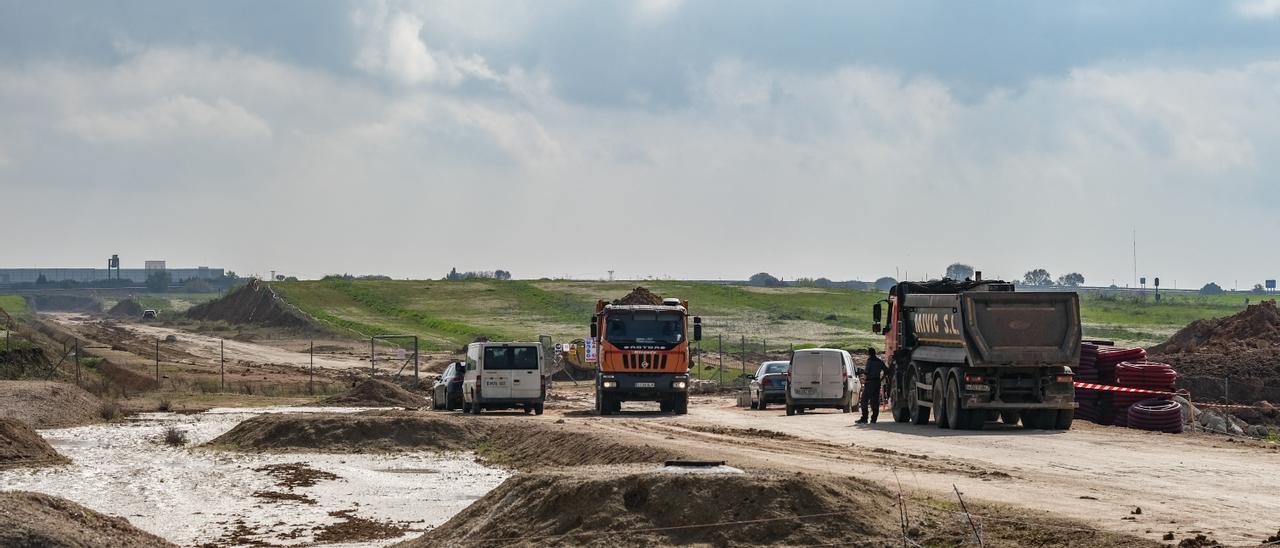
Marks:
<point>504,376</point>
<point>821,377</point>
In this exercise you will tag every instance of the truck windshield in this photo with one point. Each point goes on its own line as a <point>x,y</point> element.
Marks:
<point>511,357</point>
<point>645,327</point>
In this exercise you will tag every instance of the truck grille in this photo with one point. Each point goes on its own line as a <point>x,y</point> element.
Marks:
<point>644,360</point>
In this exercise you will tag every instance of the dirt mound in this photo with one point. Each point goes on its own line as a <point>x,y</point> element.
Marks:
<point>640,295</point>
<point>34,519</point>
<point>348,433</point>
<point>254,303</point>
<point>1257,326</point>
<point>522,444</point>
<point>22,446</point>
<point>601,508</point>
<point>126,308</point>
<point>65,303</point>
<point>44,404</point>
<point>376,393</point>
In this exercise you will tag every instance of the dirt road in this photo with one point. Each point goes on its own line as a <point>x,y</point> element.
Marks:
<point>1183,483</point>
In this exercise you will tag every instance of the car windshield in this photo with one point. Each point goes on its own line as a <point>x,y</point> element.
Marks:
<point>644,327</point>
<point>776,367</point>
<point>511,357</point>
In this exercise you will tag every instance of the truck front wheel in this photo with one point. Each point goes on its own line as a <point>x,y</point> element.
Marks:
<point>682,403</point>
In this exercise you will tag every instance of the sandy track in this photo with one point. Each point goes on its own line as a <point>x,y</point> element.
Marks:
<point>206,349</point>
<point>1099,475</point>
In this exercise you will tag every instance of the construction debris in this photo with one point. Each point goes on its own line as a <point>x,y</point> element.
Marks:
<point>376,393</point>
<point>21,446</point>
<point>1258,326</point>
<point>640,296</point>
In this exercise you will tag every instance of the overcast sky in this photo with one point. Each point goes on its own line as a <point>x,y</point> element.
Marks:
<point>708,139</point>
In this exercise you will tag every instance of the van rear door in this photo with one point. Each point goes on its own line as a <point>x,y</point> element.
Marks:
<point>831,377</point>
<point>525,373</point>
<point>806,374</point>
<point>495,378</point>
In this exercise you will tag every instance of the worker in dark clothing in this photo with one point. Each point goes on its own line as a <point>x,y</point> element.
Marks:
<point>875,372</point>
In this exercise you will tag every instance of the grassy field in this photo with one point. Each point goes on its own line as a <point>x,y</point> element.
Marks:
<point>16,306</point>
<point>447,315</point>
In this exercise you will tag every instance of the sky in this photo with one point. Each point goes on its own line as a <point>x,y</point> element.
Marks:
<point>653,138</point>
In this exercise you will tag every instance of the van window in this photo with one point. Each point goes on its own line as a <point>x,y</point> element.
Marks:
<point>511,357</point>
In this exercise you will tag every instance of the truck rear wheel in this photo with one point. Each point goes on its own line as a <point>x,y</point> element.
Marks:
<point>959,417</point>
<point>919,413</point>
<point>941,403</point>
<point>1064,419</point>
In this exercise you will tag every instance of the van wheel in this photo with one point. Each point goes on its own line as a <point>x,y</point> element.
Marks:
<point>941,411</point>
<point>791,410</point>
<point>537,408</point>
<point>466,407</point>
<point>475,408</point>
<point>528,409</point>
<point>847,406</point>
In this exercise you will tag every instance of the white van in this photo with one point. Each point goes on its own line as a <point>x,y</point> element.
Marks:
<point>504,376</point>
<point>821,377</point>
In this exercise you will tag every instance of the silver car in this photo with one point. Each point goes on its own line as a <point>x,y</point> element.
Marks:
<point>769,384</point>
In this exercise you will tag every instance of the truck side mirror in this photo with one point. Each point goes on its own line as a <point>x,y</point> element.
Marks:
<point>594,330</point>
<point>697,328</point>
<point>876,313</point>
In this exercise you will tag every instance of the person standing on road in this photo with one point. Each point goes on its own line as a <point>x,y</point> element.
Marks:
<point>875,372</point>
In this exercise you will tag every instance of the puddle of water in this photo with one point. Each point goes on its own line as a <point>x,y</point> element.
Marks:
<point>191,496</point>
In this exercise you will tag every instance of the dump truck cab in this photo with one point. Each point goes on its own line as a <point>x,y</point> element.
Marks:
<point>643,354</point>
<point>967,352</point>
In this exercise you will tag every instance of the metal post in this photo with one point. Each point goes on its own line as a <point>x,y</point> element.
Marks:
<point>157,364</point>
<point>77,362</point>
<point>720,352</point>
<point>1226,389</point>
<point>371,358</point>
<point>416,348</point>
<point>744,353</point>
<point>765,344</point>
<point>222,357</point>
<point>312,378</point>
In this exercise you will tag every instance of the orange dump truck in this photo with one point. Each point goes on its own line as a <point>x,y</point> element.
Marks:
<point>643,354</point>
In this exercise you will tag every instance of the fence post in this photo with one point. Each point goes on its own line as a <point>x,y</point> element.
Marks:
<point>222,358</point>
<point>311,379</point>
<point>720,352</point>
<point>744,353</point>
<point>1226,389</point>
<point>416,350</point>
<point>77,362</point>
<point>157,364</point>
<point>372,360</point>
<point>765,344</point>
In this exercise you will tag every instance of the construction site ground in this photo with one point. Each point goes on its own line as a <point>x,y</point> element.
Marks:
<point>1097,477</point>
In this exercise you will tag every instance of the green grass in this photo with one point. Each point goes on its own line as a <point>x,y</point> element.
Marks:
<point>447,315</point>
<point>16,306</point>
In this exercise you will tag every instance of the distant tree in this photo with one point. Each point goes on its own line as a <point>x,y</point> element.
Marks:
<point>41,280</point>
<point>1038,276</point>
<point>1211,289</point>
<point>959,271</point>
<point>1074,279</point>
<point>764,279</point>
<point>886,283</point>
<point>196,285</point>
<point>291,279</point>
<point>501,275</point>
<point>823,282</point>
<point>279,277</point>
<point>230,274</point>
<point>453,274</point>
<point>1258,289</point>
<point>159,280</point>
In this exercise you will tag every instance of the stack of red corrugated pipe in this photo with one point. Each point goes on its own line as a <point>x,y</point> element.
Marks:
<point>1109,357</point>
<point>1087,371</point>
<point>1144,411</point>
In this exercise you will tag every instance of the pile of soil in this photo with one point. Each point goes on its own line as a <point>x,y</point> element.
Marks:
<point>65,303</point>
<point>126,308</point>
<point>640,295</point>
<point>1257,326</point>
<point>254,303</point>
<point>524,445</point>
<point>351,433</point>
<point>20,445</point>
<point>376,393</point>
<point>34,519</point>
<point>45,404</point>
<point>601,508</point>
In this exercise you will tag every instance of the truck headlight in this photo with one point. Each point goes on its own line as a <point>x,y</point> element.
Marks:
<point>609,384</point>
<point>679,385</point>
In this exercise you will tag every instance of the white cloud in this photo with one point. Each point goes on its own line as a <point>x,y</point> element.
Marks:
<point>1258,9</point>
<point>392,46</point>
<point>168,118</point>
<point>652,10</point>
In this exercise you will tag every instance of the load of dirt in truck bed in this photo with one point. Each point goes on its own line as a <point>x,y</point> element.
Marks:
<point>520,444</point>
<point>376,393</point>
<point>1257,326</point>
<point>45,404</point>
<point>126,308</point>
<point>640,295</point>
<point>20,445</point>
<point>35,519</point>
<point>254,303</point>
<point>603,508</point>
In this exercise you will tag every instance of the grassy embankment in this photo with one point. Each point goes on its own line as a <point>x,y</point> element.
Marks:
<point>16,307</point>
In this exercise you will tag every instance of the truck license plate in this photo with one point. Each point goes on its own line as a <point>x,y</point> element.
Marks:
<point>644,385</point>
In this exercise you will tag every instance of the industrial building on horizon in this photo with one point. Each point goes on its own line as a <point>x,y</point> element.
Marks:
<point>14,276</point>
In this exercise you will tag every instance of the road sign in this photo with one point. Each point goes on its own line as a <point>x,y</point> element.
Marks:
<point>1271,284</point>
